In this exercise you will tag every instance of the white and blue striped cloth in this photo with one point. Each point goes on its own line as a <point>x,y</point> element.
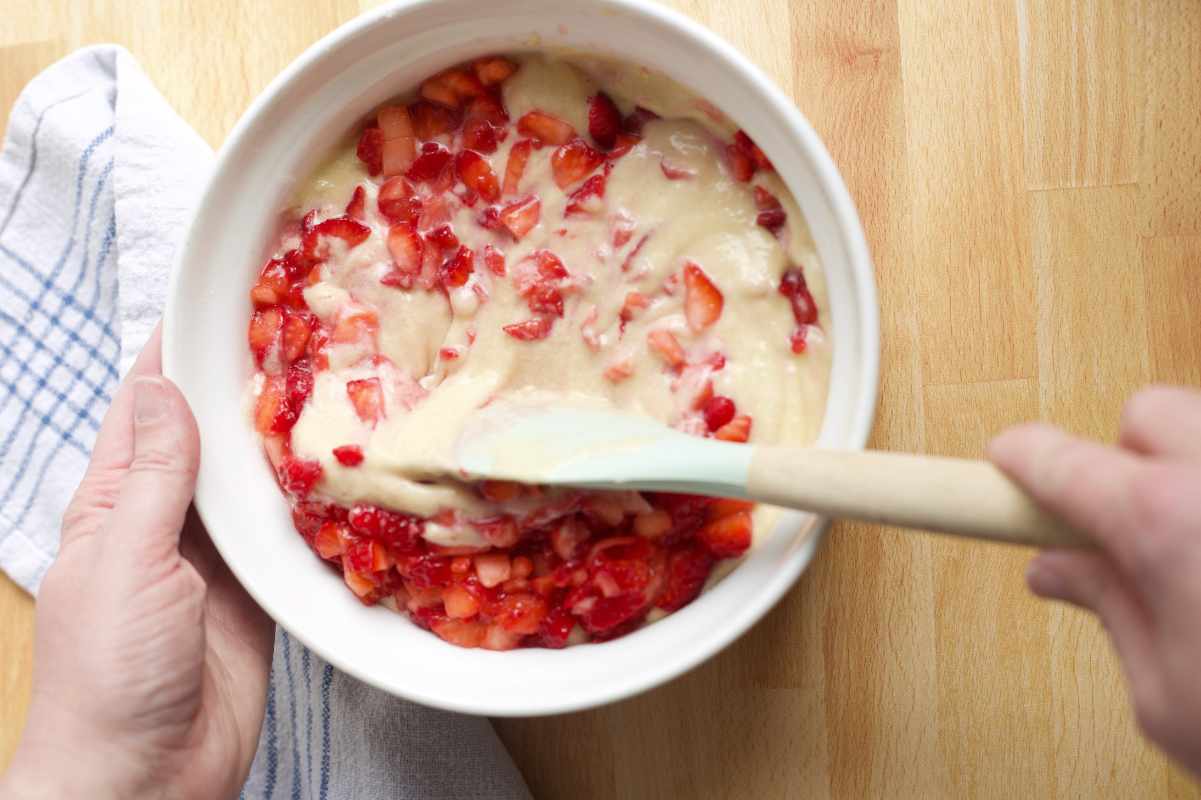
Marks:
<point>97,178</point>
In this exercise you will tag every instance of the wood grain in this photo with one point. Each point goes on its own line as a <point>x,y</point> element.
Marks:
<point>1029,176</point>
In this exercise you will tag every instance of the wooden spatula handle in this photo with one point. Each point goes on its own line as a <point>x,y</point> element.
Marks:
<point>951,495</point>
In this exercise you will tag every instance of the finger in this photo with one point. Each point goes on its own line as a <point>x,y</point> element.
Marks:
<point>157,488</point>
<point>1163,421</point>
<point>1093,582</point>
<point>1086,484</point>
<point>113,450</point>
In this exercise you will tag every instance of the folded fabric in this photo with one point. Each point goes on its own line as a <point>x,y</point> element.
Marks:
<point>98,176</point>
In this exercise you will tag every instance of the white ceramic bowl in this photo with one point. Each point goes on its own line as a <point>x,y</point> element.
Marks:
<point>316,100</point>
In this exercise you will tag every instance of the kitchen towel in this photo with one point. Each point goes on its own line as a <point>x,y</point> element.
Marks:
<point>97,179</point>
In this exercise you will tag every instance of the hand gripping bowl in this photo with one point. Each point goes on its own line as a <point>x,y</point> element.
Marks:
<point>280,139</point>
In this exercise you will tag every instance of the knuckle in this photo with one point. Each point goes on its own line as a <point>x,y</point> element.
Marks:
<point>1159,500</point>
<point>164,461</point>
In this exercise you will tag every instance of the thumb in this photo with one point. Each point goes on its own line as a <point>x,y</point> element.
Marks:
<point>157,488</point>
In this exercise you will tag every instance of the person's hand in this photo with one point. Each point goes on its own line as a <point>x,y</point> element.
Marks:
<point>1141,503</point>
<point>150,661</point>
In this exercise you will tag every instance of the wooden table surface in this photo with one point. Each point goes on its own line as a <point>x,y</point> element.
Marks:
<point>1029,175</point>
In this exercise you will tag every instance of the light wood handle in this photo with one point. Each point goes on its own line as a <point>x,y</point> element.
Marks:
<point>950,495</point>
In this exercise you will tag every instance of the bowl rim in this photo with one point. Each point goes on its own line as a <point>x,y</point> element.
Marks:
<point>831,186</point>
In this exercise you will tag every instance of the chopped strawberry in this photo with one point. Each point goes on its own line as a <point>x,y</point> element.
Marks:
<point>398,201</point>
<point>652,524</point>
<point>430,165</point>
<point>531,329</point>
<point>460,603</point>
<point>796,289</point>
<point>479,135</point>
<point>430,121</point>
<point>477,174</point>
<point>521,216</point>
<point>518,156</point>
<point>798,340</point>
<point>297,329</point>
<point>367,397</point>
<point>492,70</point>
<point>435,211</point>
<point>356,207</point>
<point>458,268</point>
<point>604,120</point>
<point>452,88</point>
<point>573,161</point>
<point>773,220</point>
<point>702,300</point>
<point>634,302</point>
<point>370,150</point>
<point>521,613</point>
<point>725,506</point>
<point>400,532</point>
<point>394,122</point>
<point>349,455</point>
<point>742,167</point>
<point>461,633</point>
<point>498,531</point>
<point>545,299</point>
<point>299,476</point>
<point>727,537</point>
<point>354,325</point>
<point>757,156</point>
<point>587,198</point>
<point>550,266</point>
<point>397,155</point>
<point>736,430</point>
<point>328,540</point>
<point>619,371</point>
<point>352,233</point>
<point>406,248</point>
<point>272,413</point>
<point>718,411</point>
<point>545,128</point>
<point>625,143</point>
<point>668,347</point>
<point>298,385</point>
<point>272,286</point>
<point>687,570</point>
<point>493,569</point>
<point>494,259</point>
<point>488,108</point>
<point>442,237</point>
<point>675,173</point>
<point>264,332</point>
<point>556,628</point>
<point>637,119</point>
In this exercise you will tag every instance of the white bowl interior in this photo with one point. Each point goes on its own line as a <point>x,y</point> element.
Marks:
<point>287,130</point>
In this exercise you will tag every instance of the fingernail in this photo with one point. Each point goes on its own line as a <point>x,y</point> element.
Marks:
<point>1043,580</point>
<point>149,401</point>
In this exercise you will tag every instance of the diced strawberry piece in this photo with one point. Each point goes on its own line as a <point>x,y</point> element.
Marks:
<point>435,211</point>
<point>608,614</point>
<point>798,340</point>
<point>328,540</point>
<point>604,120</point>
<point>479,135</point>
<point>397,155</point>
<point>675,173</point>
<point>521,216</point>
<point>452,88</point>
<point>297,329</point>
<point>574,161</point>
<point>773,220</point>
<point>741,165</point>
<point>370,150</point>
<point>668,347</point>
<point>624,144</point>
<point>460,603</point>
<point>521,613</point>
<point>725,506</point>
<point>430,164</point>
<point>687,570</point>
<point>634,302</point>
<point>362,585</point>
<point>398,201</point>
<point>619,371</point>
<point>264,332</point>
<point>796,289</point>
<point>492,569</point>
<point>545,128</point>
<point>394,122</point>
<point>703,396</point>
<point>460,633</point>
<point>458,268</point>
<point>477,175</point>
<point>495,260</point>
<point>450,353</point>
<point>637,119</point>
<point>702,300</point>
<point>498,531</point>
<point>500,491</point>
<point>367,397</point>
<point>729,536</point>
<point>488,108</point>
<point>430,121</point>
<point>354,325</point>
<point>296,265</point>
<point>498,638</point>
<point>765,200</point>
<point>298,385</point>
<point>566,539</point>
<point>718,411</point>
<point>443,237</point>
<point>271,411</point>
<point>492,70</point>
<point>531,329</point>
<point>406,248</point>
<point>349,455</point>
<point>556,628</point>
<point>272,286</point>
<point>757,156</point>
<point>299,476</point>
<point>351,232</point>
<point>587,198</point>
<point>736,430</point>
<point>545,299</point>
<point>550,266</point>
<point>400,532</point>
<point>427,571</point>
<point>356,208</point>
<point>652,524</point>
<point>519,154</point>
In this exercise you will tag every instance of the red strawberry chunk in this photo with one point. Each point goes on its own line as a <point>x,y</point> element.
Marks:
<point>271,411</point>
<point>452,88</point>
<point>757,156</point>
<point>430,164</point>
<point>397,155</point>
<point>741,165</point>
<point>351,232</point>
<point>477,175</point>
<point>521,216</point>
<point>667,346</point>
<point>430,121</point>
<point>356,208</point>
<point>488,108</point>
<point>796,289</point>
<point>718,411</point>
<point>297,329</point>
<point>299,476</point>
<point>556,628</point>
<point>702,300</point>
<point>625,143</point>
<point>367,397</point>
<point>798,340</point>
<point>443,237</point>
<point>458,268</point>
<point>675,173</point>
<point>521,613</point>
<point>587,198</point>
<point>531,329</point>
<point>495,260</point>
<point>727,537</point>
<point>264,331</point>
<point>400,532</point>
<point>370,150</point>
<point>518,156</point>
<point>736,430</point>
<point>550,266</point>
<point>545,299</point>
<point>773,220</point>
<point>298,385</point>
<point>354,325</point>
<point>604,120</point>
<point>492,70</point>
<point>479,135</point>
<point>349,455</point>
<point>328,540</point>
<point>574,161</point>
<point>546,128</point>
<point>407,250</point>
<point>394,122</point>
<point>687,570</point>
<point>637,119</point>
<point>273,285</point>
<point>398,201</point>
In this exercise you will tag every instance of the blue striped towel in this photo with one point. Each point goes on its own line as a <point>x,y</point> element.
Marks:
<point>97,178</point>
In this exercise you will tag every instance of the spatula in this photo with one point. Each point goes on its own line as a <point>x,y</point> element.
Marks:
<point>599,449</point>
